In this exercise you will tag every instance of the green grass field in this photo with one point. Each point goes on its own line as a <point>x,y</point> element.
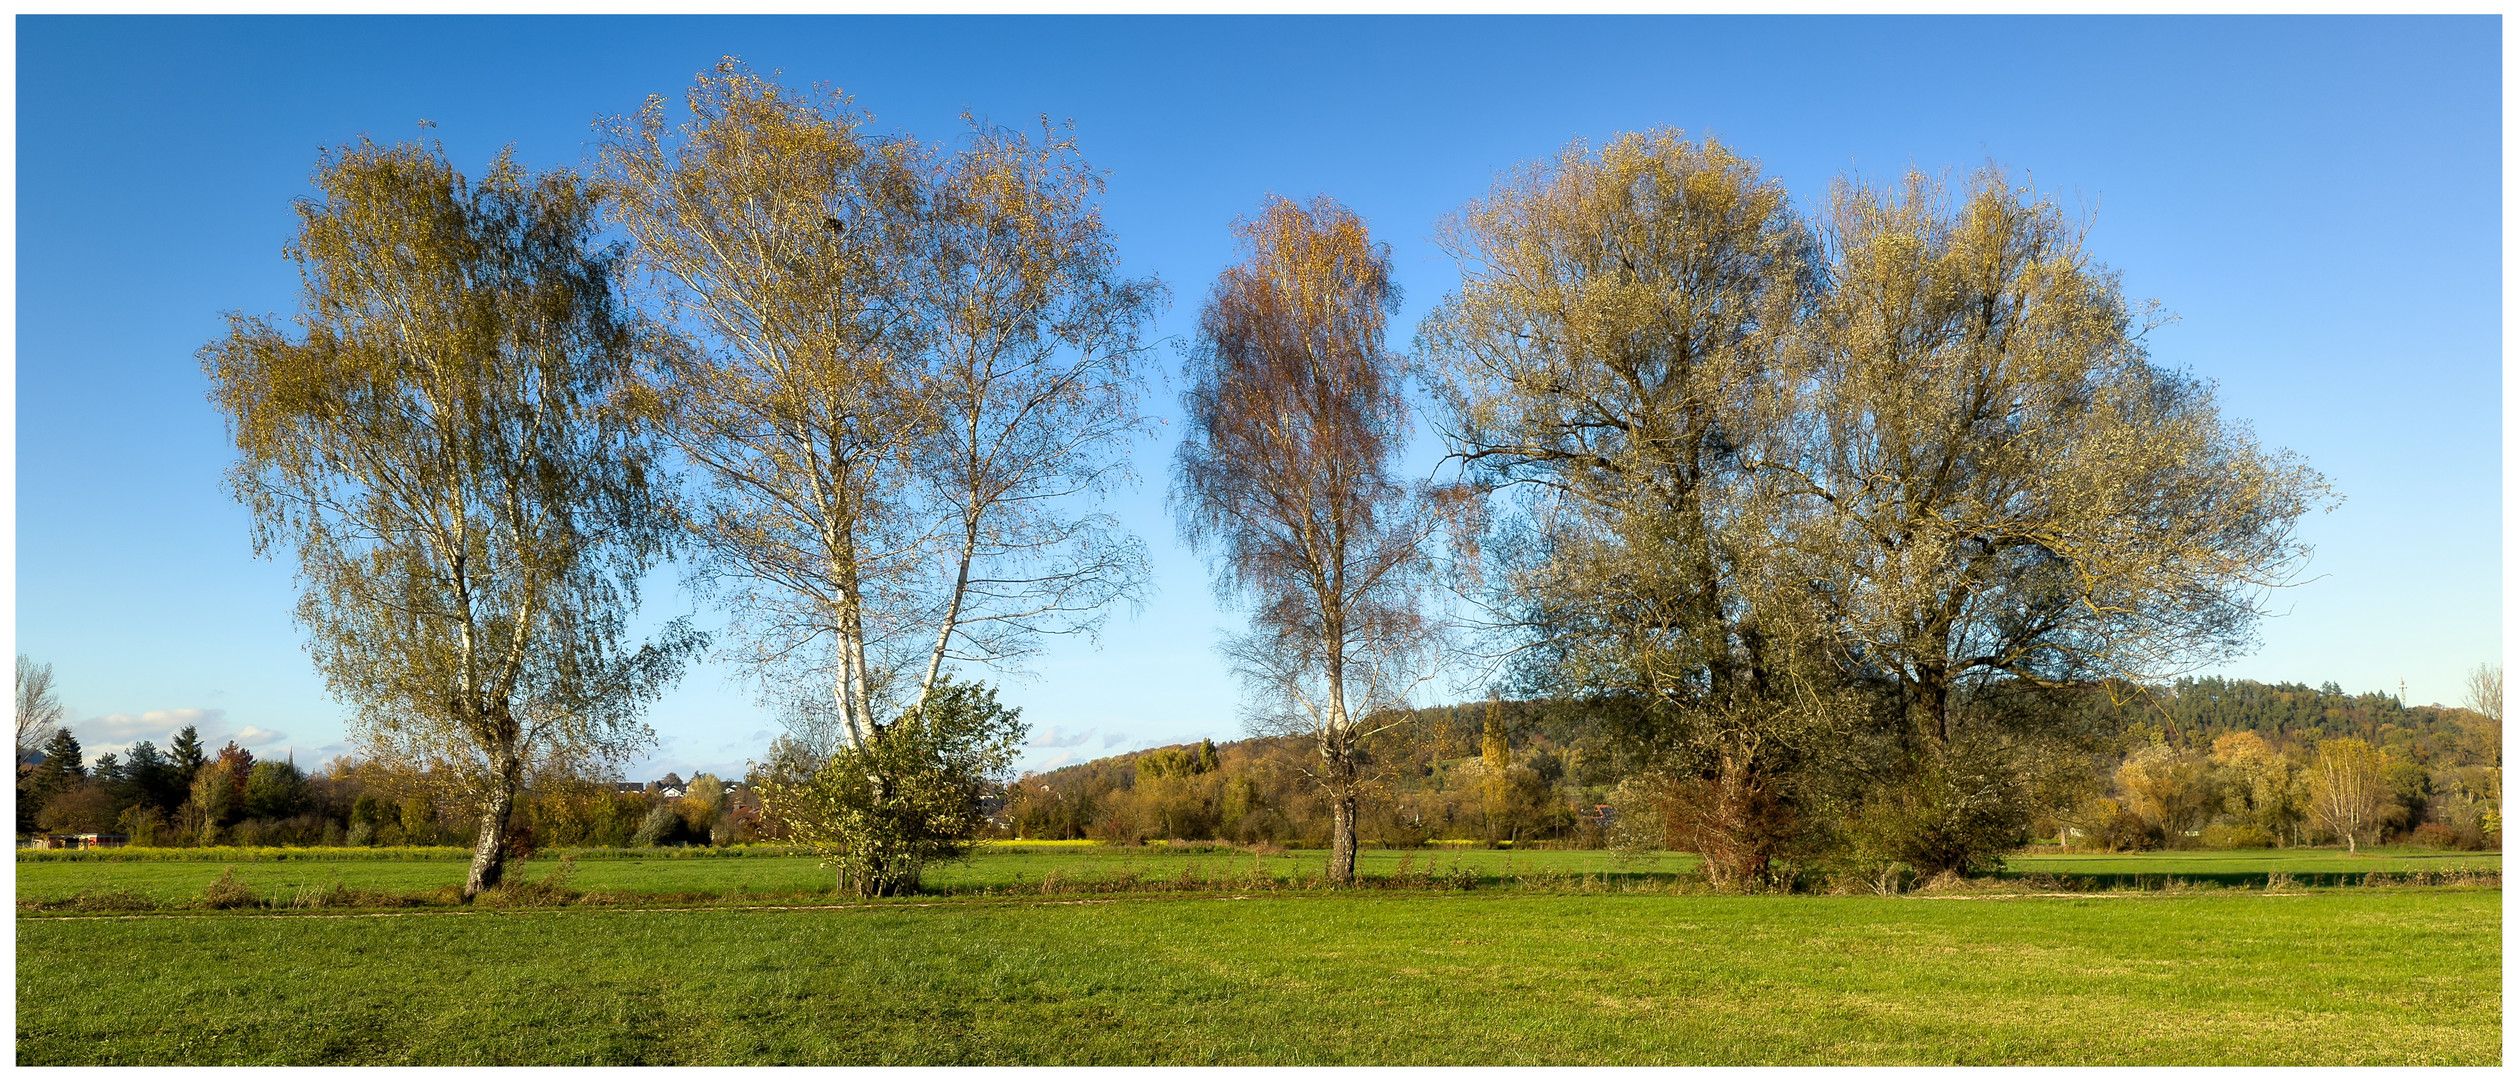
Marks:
<point>280,875</point>
<point>1019,866</point>
<point>2336,976</point>
<point>1566,957</point>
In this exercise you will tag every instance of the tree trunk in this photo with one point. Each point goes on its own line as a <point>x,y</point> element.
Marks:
<point>489,862</point>
<point>1343,836</point>
<point>1339,766</point>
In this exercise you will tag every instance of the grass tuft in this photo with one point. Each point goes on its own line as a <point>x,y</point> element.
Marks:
<point>227,894</point>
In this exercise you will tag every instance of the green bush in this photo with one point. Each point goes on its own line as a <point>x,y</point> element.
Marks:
<point>915,794</point>
<point>662,826</point>
<point>2235,837</point>
<point>1957,810</point>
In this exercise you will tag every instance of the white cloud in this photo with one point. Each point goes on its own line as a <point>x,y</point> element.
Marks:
<point>116,733</point>
<point>1063,757</point>
<point>317,759</point>
<point>1114,739</point>
<point>155,724</point>
<point>1054,736</point>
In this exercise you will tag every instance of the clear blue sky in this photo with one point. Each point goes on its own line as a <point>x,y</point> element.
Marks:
<point>2317,198</point>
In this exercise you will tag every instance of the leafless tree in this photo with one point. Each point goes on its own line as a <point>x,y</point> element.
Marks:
<point>39,708</point>
<point>2484,740</point>
<point>2485,692</point>
<point>1296,420</point>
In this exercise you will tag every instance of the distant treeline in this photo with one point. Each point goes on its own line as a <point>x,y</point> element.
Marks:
<point>2199,763</point>
<point>2202,762</point>
<point>2292,711</point>
<point>184,797</point>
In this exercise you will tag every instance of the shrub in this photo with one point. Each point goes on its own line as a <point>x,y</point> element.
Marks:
<point>113,900</point>
<point>2433,834</point>
<point>1958,810</point>
<point>551,890</point>
<point>145,825</point>
<point>916,793</point>
<point>2230,837</point>
<point>339,895</point>
<point>730,829</point>
<point>87,808</point>
<point>661,826</point>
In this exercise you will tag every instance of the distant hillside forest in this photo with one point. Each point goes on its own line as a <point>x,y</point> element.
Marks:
<point>2200,763</point>
<point>185,796</point>
<point>2203,763</point>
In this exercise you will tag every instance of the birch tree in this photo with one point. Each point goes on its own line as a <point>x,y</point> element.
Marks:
<point>1030,369</point>
<point>39,709</point>
<point>778,240</point>
<point>443,448</point>
<point>1285,478</point>
<point>907,374</point>
<point>2349,789</point>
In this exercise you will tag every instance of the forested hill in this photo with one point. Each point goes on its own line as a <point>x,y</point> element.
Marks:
<point>1541,769</point>
<point>2191,709</point>
<point>1561,729</point>
<point>2187,710</point>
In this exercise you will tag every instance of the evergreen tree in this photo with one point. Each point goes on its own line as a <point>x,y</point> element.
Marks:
<point>64,764</point>
<point>150,779</point>
<point>185,754</point>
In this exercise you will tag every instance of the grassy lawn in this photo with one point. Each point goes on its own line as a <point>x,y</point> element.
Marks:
<point>2361,976</point>
<point>1025,866</point>
<point>997,867</point>
<point>2250,868</point>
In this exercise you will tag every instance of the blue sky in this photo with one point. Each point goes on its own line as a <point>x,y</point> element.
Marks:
<point>2317,198</point>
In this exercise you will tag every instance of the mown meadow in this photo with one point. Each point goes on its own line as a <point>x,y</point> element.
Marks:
<point>1083,954</point>
<point>285,877</point>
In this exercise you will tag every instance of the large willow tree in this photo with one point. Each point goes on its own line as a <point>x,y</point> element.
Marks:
<point>444,449</point>
<point>1613,357</point>
<point>1839,504</point>
<point>1996,495</point>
